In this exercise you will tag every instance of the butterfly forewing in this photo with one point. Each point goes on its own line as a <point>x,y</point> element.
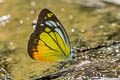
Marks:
<point>47,18</point>
<point>49,42</point>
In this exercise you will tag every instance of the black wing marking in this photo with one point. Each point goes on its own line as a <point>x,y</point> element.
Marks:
<point>55,21</point>
<point>44,21</point>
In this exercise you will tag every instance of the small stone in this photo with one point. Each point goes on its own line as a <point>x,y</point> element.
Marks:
<point>117,51</point>
<point>9,59</point>
<point>82,30</point>
<point>34,21</point>
<point>11,43</point>
<point>3,18</point>
<point>101,26</point>
<point>27,18</point>
<point>21,21</point>
<point>79,78</point>
<point>116,47</point>
<point>69,1</point>
<point>18,28</point>
<point>32,12</point>
<point>62,9</point>
<point>71,17</point>
<point>109,48</point>
<point>116,2</point>
<point>33,3</point>
<point>1,1</point>
<point>7,21</point>
<point>83,63</point>
<point>72,30</point>
<point>3,23</point>
<point>114,24</point>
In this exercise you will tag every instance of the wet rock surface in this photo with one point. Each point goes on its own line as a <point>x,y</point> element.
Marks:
<point>96,23</point>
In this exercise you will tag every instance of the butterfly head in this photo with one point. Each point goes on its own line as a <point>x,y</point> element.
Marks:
<point>73,51</point>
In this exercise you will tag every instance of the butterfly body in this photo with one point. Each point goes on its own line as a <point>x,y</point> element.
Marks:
<point>49,42</point>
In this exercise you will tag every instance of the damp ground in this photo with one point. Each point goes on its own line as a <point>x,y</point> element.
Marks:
<point>87,26</point>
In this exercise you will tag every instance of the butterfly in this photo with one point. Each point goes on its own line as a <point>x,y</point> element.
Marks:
<point>49,42</point>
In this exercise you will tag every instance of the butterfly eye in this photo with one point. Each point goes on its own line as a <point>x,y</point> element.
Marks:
<point>73,51</point>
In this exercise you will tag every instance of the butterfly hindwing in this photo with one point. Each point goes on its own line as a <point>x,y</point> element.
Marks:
<point>49,42</point>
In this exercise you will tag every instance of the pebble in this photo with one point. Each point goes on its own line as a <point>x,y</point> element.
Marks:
<point>27,18</point>
<point>91,3</point>
<point>11,43</point>
<point>83,63</point>
<point>101,26</point>
<point>116,47</point>
<point>72,30</point>
<point>79,78</point>
<point>82,30</point>
<point>117,51</point>
<point>116,2</point>
<point>7,21</point>
<point>1,1</point>
<point>18,28</point>
<point>3,18</point>
<point>3,23</point>
<point>68,1</point>
<point>100,10</point>
<point>21,21</point>
<point>33,3</point>
<point>71,17</point>
<point>62,9</point>
<point>32,12</point>
<point>114,24</point>
<point>34,21</point>
<point>109,48</point>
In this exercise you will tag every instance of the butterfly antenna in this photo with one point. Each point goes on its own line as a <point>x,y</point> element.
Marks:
<point>75,49</point>
<point>78,42</point>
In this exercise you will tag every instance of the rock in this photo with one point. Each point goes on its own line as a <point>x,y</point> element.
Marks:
<point>116,2</point>
<point>96,3</point>
<point>1,1</point>
<point>91,3</point>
